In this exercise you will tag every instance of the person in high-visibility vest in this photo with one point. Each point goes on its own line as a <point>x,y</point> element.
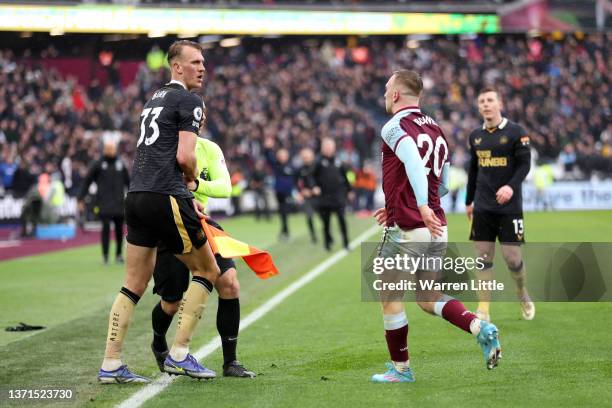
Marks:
<point>55,199</point>
<point>238,185</point>
<point>543,178</point>
<point>457,181</point>
<point>171,276</point>
<point>156,59</point>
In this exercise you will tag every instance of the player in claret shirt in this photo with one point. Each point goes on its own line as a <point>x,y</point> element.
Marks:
<point>415,174</point>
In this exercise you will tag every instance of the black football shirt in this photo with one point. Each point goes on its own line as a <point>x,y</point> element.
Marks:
<point>171,109</point>
<point>499,157</point>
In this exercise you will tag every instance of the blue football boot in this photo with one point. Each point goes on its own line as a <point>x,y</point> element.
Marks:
<point>189,367</point>
<point>488,338</point>
<point>393,376</point>
<point>120,376</point>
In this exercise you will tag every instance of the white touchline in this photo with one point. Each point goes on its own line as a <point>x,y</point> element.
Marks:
<point>36,332</point>
<point>159,384</point>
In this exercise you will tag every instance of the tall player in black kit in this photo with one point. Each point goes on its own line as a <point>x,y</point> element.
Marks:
<point>160,209</point>
<point>500,161</point>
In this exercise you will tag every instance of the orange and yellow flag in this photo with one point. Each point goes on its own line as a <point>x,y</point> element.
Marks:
<point>223,244</point>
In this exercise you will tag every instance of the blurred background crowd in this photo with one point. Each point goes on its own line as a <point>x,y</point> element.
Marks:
<point>309,3</point>
<point>300,90</point>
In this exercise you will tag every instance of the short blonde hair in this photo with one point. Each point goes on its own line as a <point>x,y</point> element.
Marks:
<point>177,47</point>
<point>411,80</point>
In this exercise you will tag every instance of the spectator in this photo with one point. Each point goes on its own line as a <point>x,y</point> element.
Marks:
<point>112,179</point>
<point>284,183</point>
<point>306,184</point>
<point>458,180</point>
<point>258,186</point>
<point>8,168</point>
<point>291,89</point>
<point>568,159</point>
<point>332,188</point>
<point>31,211</point>
<point>365,187</point>
<point>238,184</point>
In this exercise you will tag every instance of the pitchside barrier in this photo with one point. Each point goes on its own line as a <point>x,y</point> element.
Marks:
<point>566,195</point>
<point>561,196</point>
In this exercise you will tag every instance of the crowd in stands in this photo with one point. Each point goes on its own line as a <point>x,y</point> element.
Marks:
<point>343,3</point>
<point>305,89</point>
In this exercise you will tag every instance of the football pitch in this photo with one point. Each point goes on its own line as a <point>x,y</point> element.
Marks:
<point>319,346</point>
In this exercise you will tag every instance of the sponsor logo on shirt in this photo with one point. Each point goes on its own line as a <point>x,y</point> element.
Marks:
<point>486,160</point>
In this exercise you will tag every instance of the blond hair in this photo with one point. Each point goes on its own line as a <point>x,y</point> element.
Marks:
<point>177,47</point>
<point>410,80</point>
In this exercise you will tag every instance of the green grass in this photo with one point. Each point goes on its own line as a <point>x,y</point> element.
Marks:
<point>321,345</point>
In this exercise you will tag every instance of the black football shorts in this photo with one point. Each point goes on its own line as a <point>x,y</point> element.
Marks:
<point>171,276</point>
<point>154,218</point>
<point>489,226</point>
